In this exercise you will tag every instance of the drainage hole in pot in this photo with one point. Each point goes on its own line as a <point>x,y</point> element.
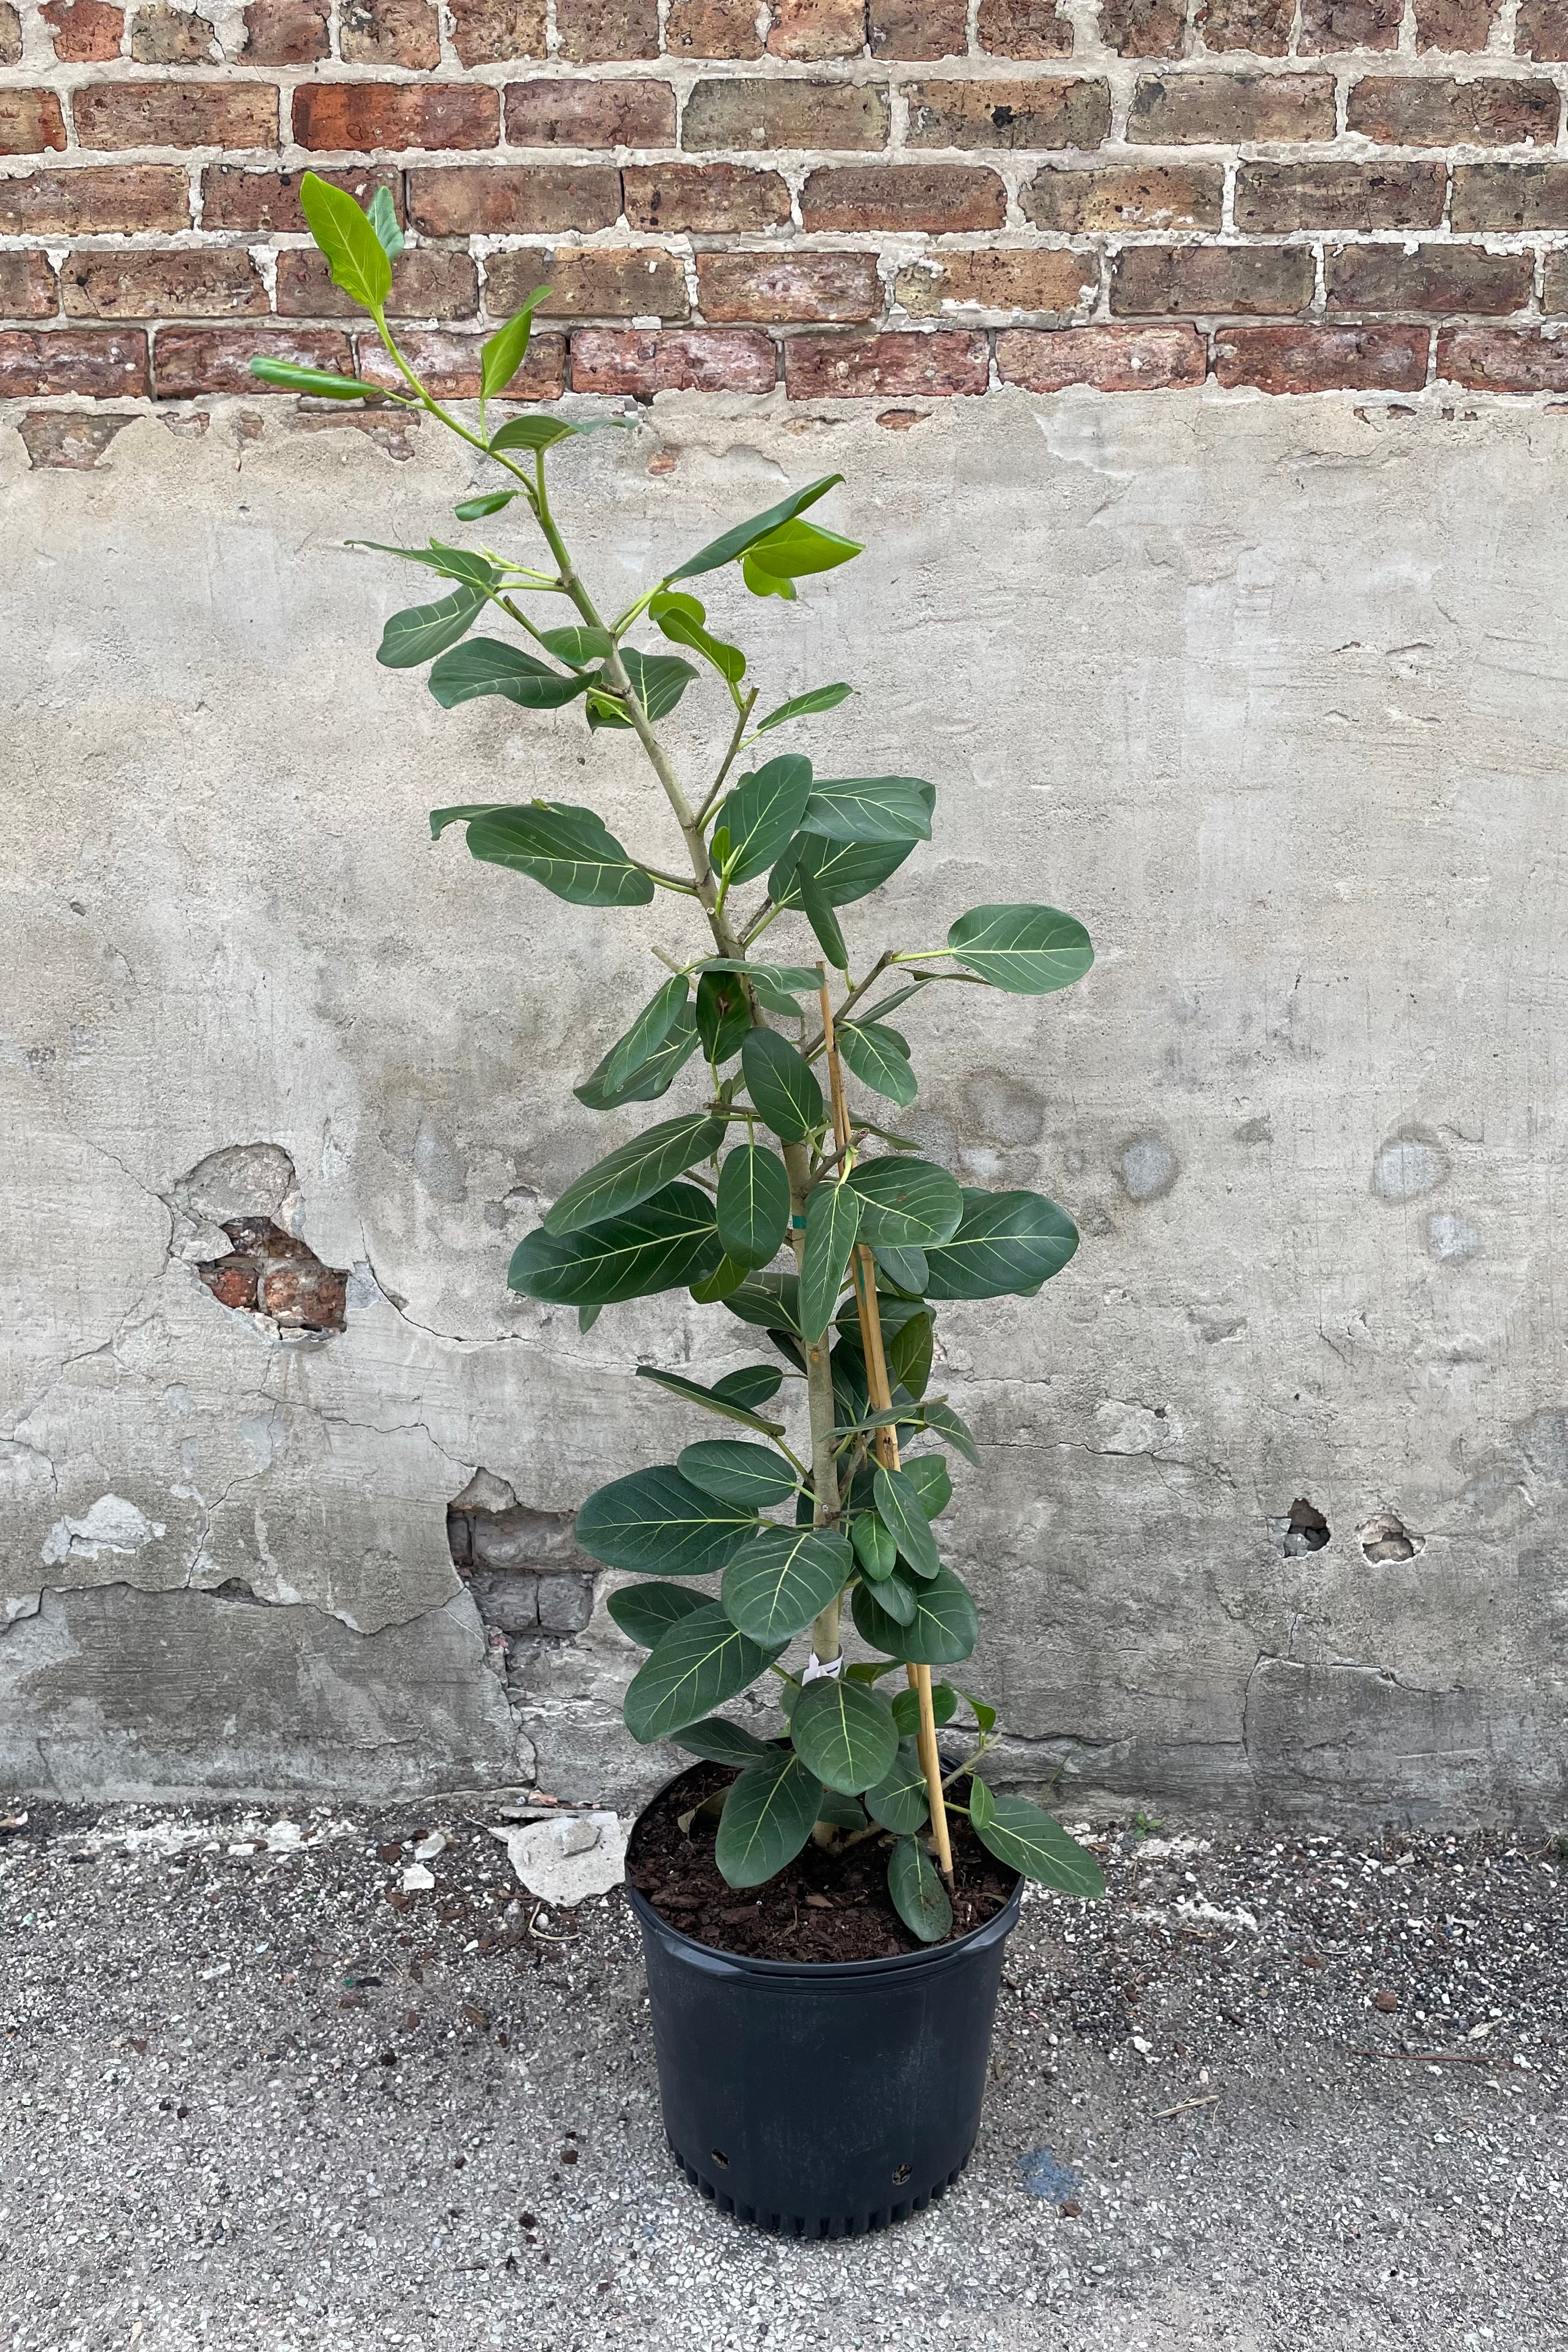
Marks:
<point>901,2175</point>
<point>719,2157</point>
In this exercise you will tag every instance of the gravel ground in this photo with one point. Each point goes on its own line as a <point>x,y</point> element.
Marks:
<point>252,2094</point>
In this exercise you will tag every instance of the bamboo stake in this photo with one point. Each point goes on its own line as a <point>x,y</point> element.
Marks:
<point>886,1443</point>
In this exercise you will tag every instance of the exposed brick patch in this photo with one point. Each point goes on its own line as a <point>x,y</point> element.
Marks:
<point>1023,28</point>
<point>589,283</point>
<point>362,114</point>
<point>693,359</point>
<point>469,199</point>
<point>1502,359</point>
<point>1144,28</point>
<point>1008,113</point>
<point>869,367</point>
<point>1510,196</point>
<point>804,30</point>
<point>28,287</point>
<point>95,198</point>
<point>68,439</point>
<point>389,33</point>
<point>1402,110</point>
<point>712,28</point>
<point>1542,30</point>
<point>451,365</point>
<point>1262,27</point>
<point>220,283</point>
<point>84,32</point>
<point>1229,110</point>
<point>594,29</point>
<point>162,35</point>
<point>286,32</point>
<point>494,32</point>
<point>934,196</point>
<point>429,281</point>
<point>31,122</point>
<point>1048,280</point>
<point>187,361</point>
<point>1126,196</point>
<point>561,113</point>
<point>792,288</point>
<point>1211,280</point>
<point>10,35</point>
<point>703,198</point>
<point>1272,198</point>
<point>1459,26</point>
<point>1329,25</point>
<point>259,203</point>
<point>1112,359</point>
<point>94,364</point>
<point>743,112</point>
<point>1436,277</point>
<point>1322,359</point>
<point>268,1271</point>
<point>176,115</point>
<point>918,28</point>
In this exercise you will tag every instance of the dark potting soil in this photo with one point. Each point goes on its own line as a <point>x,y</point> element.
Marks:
<point>824,1906</point>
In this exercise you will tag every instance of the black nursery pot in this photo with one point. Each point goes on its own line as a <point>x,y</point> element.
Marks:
<point>824,2099</point>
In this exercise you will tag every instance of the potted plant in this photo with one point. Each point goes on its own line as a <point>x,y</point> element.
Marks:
<point>802,2089</point>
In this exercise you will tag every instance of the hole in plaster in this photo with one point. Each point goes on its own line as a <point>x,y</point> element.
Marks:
<point>527,1576</point>
<point>1386,1538</point>
<point>1305,1529</point>
<point>269,1272</point>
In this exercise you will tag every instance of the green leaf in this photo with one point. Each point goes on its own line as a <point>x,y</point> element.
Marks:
<point>941,1632</point>
<point>487,666</point>
<point>738,1473</point>
<point>319,384</point>
<point>832,1221</point>
<point>382,214</point>
<point>693,1668</point>
<point>792,550</point>
<point>1030,951</point>
<point>802,705</point>
<point>451,562</point>
<point>753,1205</point>
<point>1008,1242</point>
<point>650,1078</point>
<point>895,1598</point>
<point>879,1059</point>
<point>501,356</point>
<point>1030,1843</point>
<point>818,912</point>
<point>769,1299</point>
<point>985,1717</point>
<point>899,1509</point>
<point>901,1801</point>
<point>639,1168</point>
<point>870,1670</point>
<point>874,1546</point>
<point>762,814</point>
<point>718,1741</point>
<point>644,1611</point>
<point>750,1384</point>
<point>657,1521</point>
<point>587,1317</point>
<point>844,1732</point>
<point>681,619</point>
<point>786,977</point>
<point>665,1241</point>
<point>938,1415</point>
<point>841,1812</point>
<point>842,870</point>
<point>774,1585</point>
<point>567,849</point>
<point>716,1400</point>
<point>723,1015</point>
<point>726,1276</point>
<point>927,1474</point>
<point>646,1035</point>
<point>919,1898</point>
<point>899,995</point>
<point>869,808</point>
<point>780,1084</point>
<point>904,1267</point>
<point>658,680</point>
<point>744,535</point>
<point>908,1353</point>
<point>359,266</point>
<point>907,1709</point>
<point>414,636</point>
<point>905,1202</point>
<point>488,502</point>
<point>578,645</point>
<point>769,1813</point>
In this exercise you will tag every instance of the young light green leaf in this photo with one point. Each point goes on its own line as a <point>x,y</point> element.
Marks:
<point>501,356</point>
<point>784,1577</point>
<point>906,1202</point>
<point>768,1816</point>
<point>662,1244</point>
<point>681,619</point>
<point>646,1035</point>
<point>577,645</point>
<point>644,1611</point>
<point>728,1406</point>
<point>718,1741</point>
<point>738,1473</point>
<point>693,1668</point>
<point>488,665</point>
<point>568,850</point>
<point>792,550</point>
<point>424,630</point>
<point>639,1168</point>
<point>907,1709</point>
<point>1030,951</point>
<point>532,432</point>
<point>650,1078</point>
<point>869,808</point>
<point>985,1717</point>
<point>761,815</point>
<point>804,706</point>
<point>900,1803</point>
<point>735,542</point>
<point>780,1084</point>
<point>753,1205</point>
<point>919,1898</point>
<point>1030,1843</point>
<point>1007,1243</point>
<point>941,1631</point>
<point>317,383</point>
<point>832,1221</point>
<point>657,1522</point>
<point>488,502</point>
<point>878,1059</point>
<point>354,253</point>
<point>382,214</point>
<point>844,1732</point>
<point>899,1509</point>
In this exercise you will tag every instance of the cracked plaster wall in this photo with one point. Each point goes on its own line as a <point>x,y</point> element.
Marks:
<point>1271,694</point>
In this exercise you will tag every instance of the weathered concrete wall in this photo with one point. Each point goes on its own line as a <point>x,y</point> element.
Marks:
<point>1272,694</point>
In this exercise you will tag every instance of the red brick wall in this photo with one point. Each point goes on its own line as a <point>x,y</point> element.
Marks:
<point>912,198</point>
